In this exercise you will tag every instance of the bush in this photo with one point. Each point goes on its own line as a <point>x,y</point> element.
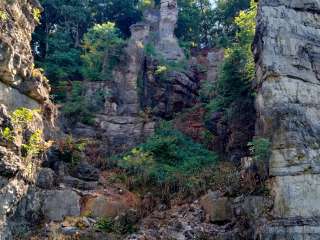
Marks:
<point>77,107</point>
<point>168,158</point>
<point>32,142</point>
<point>71,150</point>
<point>3,16</point>
<point>260,149</point>
<point>120,225</point>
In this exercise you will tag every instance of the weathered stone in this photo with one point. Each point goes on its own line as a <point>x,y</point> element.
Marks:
<point>296,196</point>
<point>168,44</point>
<point>78,183</point>
<point>87,172</point>
<point>171,93</point>
<point>287,58</point>
<point>252,207</point>
<point>110,205</point>
<point>29,211</point>
<point>218,208</point>
<point>10,163</point>
<point>61,203</point>
<point>45,178</point>
<point>16,61</point>
<point>10,196</point>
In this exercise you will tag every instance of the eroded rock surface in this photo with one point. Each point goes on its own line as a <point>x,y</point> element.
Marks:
<point>287,56</point>
<point>21,85</point>
<point>168,44</point>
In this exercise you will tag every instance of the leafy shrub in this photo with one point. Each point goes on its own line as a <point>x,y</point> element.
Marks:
<point>72,151</point>
<point>150,50</point>
<point>32,143</point>
<point>119,226</point>
<point>77,106</point>
<point>260,149</point>
<point>3,16</point>
<point>168,158</point>
<point>36,12</point>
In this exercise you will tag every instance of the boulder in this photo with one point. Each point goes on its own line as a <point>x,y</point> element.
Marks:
<point>218,208</point>
<point>78,183</point>
<point>45,178</point>
<point>110,205</point>
<point>61,203</point>
<point>87,172</point>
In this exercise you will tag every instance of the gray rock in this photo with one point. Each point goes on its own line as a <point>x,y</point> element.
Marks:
<point>45,178</point>
<point>168,45</point>
<point>61,203</point>
<point>219,209</point>
<point>287,58</point>
<point>87,172</point>
<point>78,183</point>
<point>10,163</point>
<point>69,230</point>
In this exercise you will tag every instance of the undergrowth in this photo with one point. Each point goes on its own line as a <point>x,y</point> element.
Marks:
<point>168,160</point>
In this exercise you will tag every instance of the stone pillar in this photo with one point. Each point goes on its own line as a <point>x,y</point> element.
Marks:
<point>287,55</point>
<point>168,44</point>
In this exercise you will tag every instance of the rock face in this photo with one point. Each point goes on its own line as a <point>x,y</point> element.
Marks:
<point>137,96</point>
<point>16,60</point>
<point>21,85</point>
<point>171,93</point>
<point>119,123</point>
<point>287,55</point>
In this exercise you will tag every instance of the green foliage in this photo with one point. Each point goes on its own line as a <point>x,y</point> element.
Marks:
<point>144,4</point>
<point>32,142</point>
<point>72,150</point>
<point>104,224</point>
<point>150,50</point>
<point>168,158</point>
<point>7,134</point>
<point>62,61</point>
<point>161,70</point>
<point>204,24</point>
<point>3,16</point>
<point>238,70</point>
<point>35,144</point>
<point>36,12</point>
<point>119,226</point>
<point>22,116</point>
<point>260,149</point>
<point>103,48</point>
<point>77,106</point>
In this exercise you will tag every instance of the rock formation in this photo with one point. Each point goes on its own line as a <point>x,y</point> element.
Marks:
<point>21,86</point>
<point>287,54</point>
<point>119,122</point>
<point>136,95</point>
<point>168,44</point>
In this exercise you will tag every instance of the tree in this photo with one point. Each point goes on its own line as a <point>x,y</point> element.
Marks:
<point>206,24</point>
<point>102,46</point>
<point>123,13</point>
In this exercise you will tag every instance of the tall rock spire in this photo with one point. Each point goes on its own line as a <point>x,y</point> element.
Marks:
<point>168,44</point>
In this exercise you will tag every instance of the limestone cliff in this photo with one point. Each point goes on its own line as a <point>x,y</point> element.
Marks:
<point>288,73</point>
<point>21,86</point>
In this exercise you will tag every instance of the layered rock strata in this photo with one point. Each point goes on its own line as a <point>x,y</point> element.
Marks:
<point>287,54</point>
<point>21,86</point>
